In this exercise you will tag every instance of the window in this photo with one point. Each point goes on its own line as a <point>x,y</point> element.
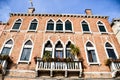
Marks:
<point>7,48</point>
<point>91,53</point>
<point>33,25</point>
<point>110,51</point>
<point>48,47</point>
<point>68,51</point>
<point>59,25</point>
<point>26,51</point>
<point>85,27</point>
<point>50,25</point>
<point>68,25</point>
<point>101,27</point>
<point>17,24</point>
<point>59,50</point>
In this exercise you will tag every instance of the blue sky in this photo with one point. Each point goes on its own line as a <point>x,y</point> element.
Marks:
<point>99,7</point>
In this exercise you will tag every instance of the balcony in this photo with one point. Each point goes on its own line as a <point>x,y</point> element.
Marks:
<point>4,64</point>
<point>115,67</point>
<point>74,66</point>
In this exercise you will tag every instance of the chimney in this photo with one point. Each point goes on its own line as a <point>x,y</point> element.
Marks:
<point>88,11</point>
<point>31,10</point>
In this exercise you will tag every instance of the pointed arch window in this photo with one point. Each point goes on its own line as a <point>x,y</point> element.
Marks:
<point>91,53</point>
<point>7,47</point>
<point>59,25</point>
<point>48,47</point>
<point>68,51</point>
<point>85,26</point>
<point>68,25</point>
<point>17,24</point>
<point>33,25</point>
<point>50,25</point>
<point>26,51</point>
<point>59,50</point>
<point>110,51</point>
<point>101,27</point>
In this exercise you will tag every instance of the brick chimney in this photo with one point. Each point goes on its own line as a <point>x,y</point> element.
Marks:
<point>31,10</point>
<point>88,11</point>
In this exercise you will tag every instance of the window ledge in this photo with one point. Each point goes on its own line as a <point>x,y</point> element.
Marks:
<point>68,31</point>
<point>104,32</point>
<point>31,31</point>
<point>87,32</point>
<point>14,30</point>
<point>59,31</point>
<point>49,31</point>
<point>94,63</point>
<point>24,62</point>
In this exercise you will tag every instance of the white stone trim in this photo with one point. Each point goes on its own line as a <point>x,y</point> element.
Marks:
<point>103,25</point>
<point>84,32</point>
<point>112,48</point>
<point>14,24</point>
<point>19,61</point>
<point>30,25</point>
<point>89,63</point>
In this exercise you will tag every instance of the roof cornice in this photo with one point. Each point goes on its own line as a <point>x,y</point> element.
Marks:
<point>59,15</point>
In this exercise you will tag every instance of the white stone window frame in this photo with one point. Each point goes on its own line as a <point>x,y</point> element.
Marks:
<point>16,30</point>
<point>7,45</point>
<point>67,31</point>
<point>110,48</point>
<point>47,24</point>
<point>102,25</point>
<point>93,48</point>
<point>62,24</point>
<point>28,30</point>
<point>26,46</point>
<point>85,32</point>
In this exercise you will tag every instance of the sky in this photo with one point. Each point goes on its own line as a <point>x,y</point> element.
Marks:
<point>109,8</point>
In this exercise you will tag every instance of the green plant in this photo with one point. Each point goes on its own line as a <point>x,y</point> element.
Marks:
<point>46,56</point>
<point>107,62</point>
<point>74,50</point>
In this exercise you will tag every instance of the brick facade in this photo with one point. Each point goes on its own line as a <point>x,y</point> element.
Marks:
<point>40,37</point>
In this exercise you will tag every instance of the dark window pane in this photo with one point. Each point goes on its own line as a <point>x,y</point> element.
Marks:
<point>16,26</point>
<point>59,45</point>
<point>33,26</point>
<point>102,29</point>
<point>25,54</point>
<point>69,55</point>
<point>5,51</point>
<point>111,53</point>
<point>59,53</point>
<point>85,27</point>
<point>89,44</point>
<point>9,42</point>
<point>28,43</point>
<point>59,26</point>
<point>68,25</point>
<point>91,56</point>
<point>48,44</point>
<point>50,26</point>
<point>108,45</point>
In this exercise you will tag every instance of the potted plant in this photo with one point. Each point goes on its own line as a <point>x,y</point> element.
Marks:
<point>74,50</point>
<point>46,56</point>
<point>107,62</point>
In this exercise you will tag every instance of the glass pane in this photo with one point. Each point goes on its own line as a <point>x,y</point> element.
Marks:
<point>28,43</point>
<point>85,27</point>
<point>92,56</point>
<point>102,29</point>
<point>59,54</point>
<point>89,44</point>
<point>5,51</point>
<point>50,26</point>
<point>111,53</point>
<point>25,54</point>
<point>59,45</point>
<point>108,45</point>
<point>33,26</point>
<point>16,26</point>
<point>69,55</point>
<point>9,42</point>
<point>48,44</point>
<point>68,26</point>
<point>68,45</point>
<point>59,26</point>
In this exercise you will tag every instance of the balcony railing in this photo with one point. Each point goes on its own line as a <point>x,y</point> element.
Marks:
<point>115,67</point>
<point>59,66</point>
<point>4,65</point>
